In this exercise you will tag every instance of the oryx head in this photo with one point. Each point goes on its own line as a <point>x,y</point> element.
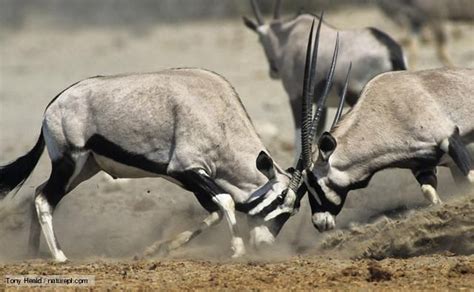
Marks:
<point>268,35</point>
<point>275,202</point>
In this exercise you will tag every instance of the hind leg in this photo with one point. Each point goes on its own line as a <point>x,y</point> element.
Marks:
<point>67,172</point>
<point>35,232</point>
<point>428,183</point>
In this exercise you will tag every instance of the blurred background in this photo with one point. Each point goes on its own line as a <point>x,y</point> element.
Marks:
<point>87,13</point>
<point>46,45</point>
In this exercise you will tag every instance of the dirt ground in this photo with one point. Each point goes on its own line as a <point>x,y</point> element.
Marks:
<point>388,236</point>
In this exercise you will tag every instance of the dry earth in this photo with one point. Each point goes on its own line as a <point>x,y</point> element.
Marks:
<point>389,237</point>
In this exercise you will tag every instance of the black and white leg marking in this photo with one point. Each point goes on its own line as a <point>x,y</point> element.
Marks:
<point>199,182</point>
<point>35,233</point>
<point>66,173</point>
<point>456,149</point>
<point>428,183</point>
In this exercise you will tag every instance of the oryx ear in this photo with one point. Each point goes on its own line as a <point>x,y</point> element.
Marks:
<point>265,165</point>
<point>250,23</point>
<point>327,145</point>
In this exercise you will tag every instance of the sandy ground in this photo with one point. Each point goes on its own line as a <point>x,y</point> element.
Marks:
<point>388,237</point>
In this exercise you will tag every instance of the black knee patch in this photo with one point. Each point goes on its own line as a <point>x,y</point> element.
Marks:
<point>459,153</point>
<point>61,172</point>
<point>203,187</point>
<point>427,178</point>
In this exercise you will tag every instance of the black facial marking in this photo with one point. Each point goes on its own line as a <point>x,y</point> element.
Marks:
<point>395,50</point>
<point>325,205</point>
<point>276,224</point>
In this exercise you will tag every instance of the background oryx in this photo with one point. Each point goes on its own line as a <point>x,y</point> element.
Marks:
<point>413,120</point>
<point>416,15</point>
<point>284,41</point>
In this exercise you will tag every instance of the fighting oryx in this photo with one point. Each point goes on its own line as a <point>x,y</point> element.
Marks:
<point>415,15</point>
<point>370,50</point>
<point>185,125</point>
<point>413,120</point>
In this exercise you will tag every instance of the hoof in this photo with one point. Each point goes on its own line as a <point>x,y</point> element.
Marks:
<point>238,247</point>
<point>324,221</point>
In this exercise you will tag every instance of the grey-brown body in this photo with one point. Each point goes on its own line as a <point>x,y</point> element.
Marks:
<point>371,52</point>
<point>181,119</point>
<point>416,15</point>
<point>402,120</point>
<point>186,125</point>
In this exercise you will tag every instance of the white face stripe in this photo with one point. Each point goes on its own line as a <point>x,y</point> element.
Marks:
<point>280,210</point>
<point>266,202</point>
<point>329,193</point>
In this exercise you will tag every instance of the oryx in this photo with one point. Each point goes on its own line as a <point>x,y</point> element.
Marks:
<point>370,50</point>
<point>185,125</point>
<point>413,120</point>
<point>415,15</point>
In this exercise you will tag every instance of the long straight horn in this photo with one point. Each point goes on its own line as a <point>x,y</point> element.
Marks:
<point>307,114</point>
<point>322,100</point>
<point>342,99</point>
<point>277,9</point>
<point>256,12</point>
<point>305,155</point>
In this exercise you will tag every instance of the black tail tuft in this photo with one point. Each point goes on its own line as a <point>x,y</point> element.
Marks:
<point>14,174</point>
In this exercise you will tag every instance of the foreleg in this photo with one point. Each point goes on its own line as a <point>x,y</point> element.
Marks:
<point>428,183</point>
<point>163,248</point>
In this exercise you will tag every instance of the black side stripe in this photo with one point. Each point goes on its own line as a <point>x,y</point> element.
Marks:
<point>104,147</point>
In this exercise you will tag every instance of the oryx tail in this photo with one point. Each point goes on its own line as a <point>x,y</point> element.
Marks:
<point>14,174</point>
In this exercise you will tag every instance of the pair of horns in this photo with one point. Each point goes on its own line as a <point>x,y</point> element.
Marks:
<point>310,122</point>
<point>258,14</point>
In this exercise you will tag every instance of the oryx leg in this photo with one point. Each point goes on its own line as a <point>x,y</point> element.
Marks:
<point>428,183</point>
<point>163,248</point>
<point>35,231</point>
<point>441,41</point>
<point>199,182</point>
<point>67,172</point>
<point>413,50</point>
<point>455,148</point>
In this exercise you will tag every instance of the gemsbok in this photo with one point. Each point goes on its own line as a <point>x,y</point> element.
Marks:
<point>185,125</point>
<point>370,50</point>
<point>415,15</point>
<point>412,120</point>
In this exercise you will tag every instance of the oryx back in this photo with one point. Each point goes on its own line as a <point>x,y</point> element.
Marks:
<point>152,124</point>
